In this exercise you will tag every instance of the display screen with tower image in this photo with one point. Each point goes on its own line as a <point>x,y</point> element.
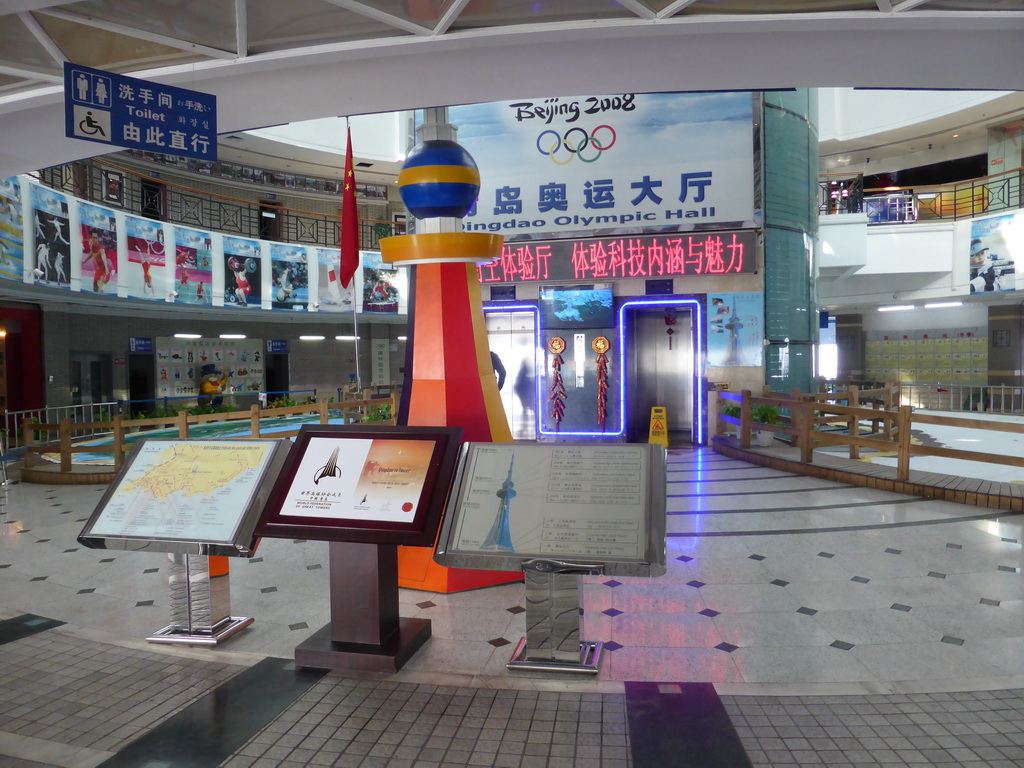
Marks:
<point>735,329</point>
<point>583,502</point>
<point>384,485</point>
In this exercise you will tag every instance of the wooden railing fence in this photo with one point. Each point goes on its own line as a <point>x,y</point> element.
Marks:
<point>872,419</point>
<point>351,411</point>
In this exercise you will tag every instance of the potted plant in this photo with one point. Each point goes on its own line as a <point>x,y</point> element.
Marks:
<point>764,414</point>
<point>730,410</point>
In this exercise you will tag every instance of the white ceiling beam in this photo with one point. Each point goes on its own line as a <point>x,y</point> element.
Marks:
<point>42,38</point>
<point>381,16</point>
<point>241,28</point>
<point>639,9</point>
<point>673,8</point>
<point>906,5</point>
<point>449,16</point>
<point>30,73</point>
<point>153,37</point>
<point>885,6</point>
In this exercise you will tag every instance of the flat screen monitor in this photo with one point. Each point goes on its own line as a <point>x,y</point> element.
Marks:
<point>577,306</point>
<point>569,502</point>
<point>382,485</point>
<point>199,497</point>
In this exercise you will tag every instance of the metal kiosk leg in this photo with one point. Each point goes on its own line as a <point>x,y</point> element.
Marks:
<point>200,606</point>
<point>552,642</point>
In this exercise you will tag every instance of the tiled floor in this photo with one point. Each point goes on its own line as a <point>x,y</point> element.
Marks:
<point>839,626</point>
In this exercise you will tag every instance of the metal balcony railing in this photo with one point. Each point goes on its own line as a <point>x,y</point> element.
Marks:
<point>845,193</point>
<point>163,200</point>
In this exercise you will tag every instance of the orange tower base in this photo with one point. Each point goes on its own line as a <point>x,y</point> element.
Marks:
<point>452,380</point>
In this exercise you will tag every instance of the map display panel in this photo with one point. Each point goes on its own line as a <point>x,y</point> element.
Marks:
<point>582,501</point>
<point>185,490</point>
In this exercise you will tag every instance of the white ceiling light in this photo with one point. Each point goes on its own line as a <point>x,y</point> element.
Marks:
<point>942,304</point>
<point>346,338</point>
<point>232,335</point>
<point>897,308</point>
<point>188,335</point>
<point>311,338</point>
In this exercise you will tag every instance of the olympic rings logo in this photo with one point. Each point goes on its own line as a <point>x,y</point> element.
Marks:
<point>577,143</point>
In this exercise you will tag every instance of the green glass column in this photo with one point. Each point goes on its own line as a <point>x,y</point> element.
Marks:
<point>790,183</point>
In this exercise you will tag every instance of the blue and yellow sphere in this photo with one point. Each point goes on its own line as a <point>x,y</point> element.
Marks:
<point>439,178</point>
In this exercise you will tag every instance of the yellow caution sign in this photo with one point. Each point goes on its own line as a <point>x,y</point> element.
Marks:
<point>659,427</point>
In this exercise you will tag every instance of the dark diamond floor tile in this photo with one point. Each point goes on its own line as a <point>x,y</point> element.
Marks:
<point>952,640</point>
<point>841,645</point>
<point>612,612</point>
<point>936,575</point>
<point>425,604</point>
<point>267,590</point>
<point>612,583</point>
<point>756,557</point>
<point>899,607</point>
<point>827,554</point>
<point>779,582</point>
<point>143,603</point>
<point>709,612</point>
<point>684,559</point>
<point>300,625</point>
<point>727,647</point>
<point>611,645</point>
<point>314,567</point>
<point>954,546</point>
<point>891,551</point>
<point>987,601</point>
<point>516,609</point>
<point>696,584</point>
<point>860,579</point>
<point>498,642</point>
<point>806,611</point>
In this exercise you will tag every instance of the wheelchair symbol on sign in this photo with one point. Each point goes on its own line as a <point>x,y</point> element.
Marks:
<point>90,127</point>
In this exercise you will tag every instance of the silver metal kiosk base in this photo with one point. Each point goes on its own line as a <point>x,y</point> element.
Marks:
<point>174,634</point>
<point>589,660</point>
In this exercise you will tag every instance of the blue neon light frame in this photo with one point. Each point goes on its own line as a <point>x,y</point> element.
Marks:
<point>536,340</point>
<point>697,328</point>
<point>698,339</point>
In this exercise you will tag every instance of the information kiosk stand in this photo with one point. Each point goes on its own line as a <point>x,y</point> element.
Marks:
<point>366,490</point>
<point>557,511</point>
<point>191,499</point>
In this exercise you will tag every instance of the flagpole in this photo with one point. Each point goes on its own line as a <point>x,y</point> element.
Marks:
<point>355,295</point>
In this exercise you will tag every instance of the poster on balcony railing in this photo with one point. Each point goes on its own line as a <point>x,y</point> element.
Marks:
<point>735,329</point>
<point>98,252</point>
<point>52,241</point>
<point>289,282</point>
<point>193,266</point>
<point>330,295</point>
<point>384,288</point>
<point>12,230</point>
<point>144,275</point>
<point>996,245</point>
<point>243,273</point>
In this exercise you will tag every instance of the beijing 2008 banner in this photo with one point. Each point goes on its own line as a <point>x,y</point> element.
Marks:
<point>611,165</point>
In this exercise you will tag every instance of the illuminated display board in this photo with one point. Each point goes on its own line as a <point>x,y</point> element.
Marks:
<point>684,254</point>
<point>581,502</point>
<point>383,485</point>
<point>187,496</point>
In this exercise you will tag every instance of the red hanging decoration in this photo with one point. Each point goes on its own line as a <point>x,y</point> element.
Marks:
<point>670,320</point>
<point>556,346</point>
<point>601,345</point>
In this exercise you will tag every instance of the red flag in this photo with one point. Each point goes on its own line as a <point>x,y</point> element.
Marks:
<point>349,221</point>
